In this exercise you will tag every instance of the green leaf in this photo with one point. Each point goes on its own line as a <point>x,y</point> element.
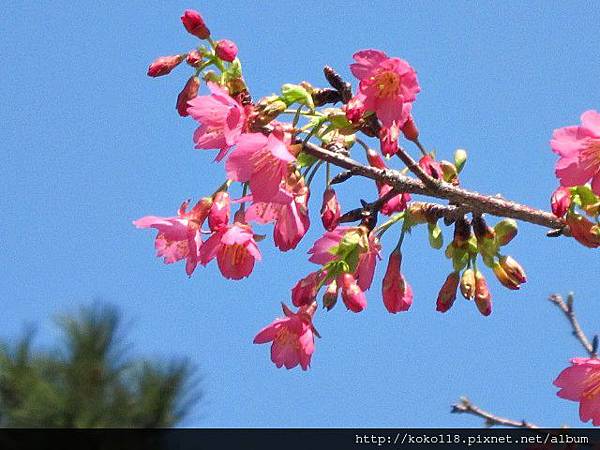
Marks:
<point>460,259</point>
<point>304,159</point>
<point>436,238</point>
<point>586,195</point>
<point>294,93</point>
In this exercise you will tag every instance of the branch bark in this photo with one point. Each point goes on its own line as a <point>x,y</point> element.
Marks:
<point>567,309</point>
<point>468,200</point>
<point>464,406</point>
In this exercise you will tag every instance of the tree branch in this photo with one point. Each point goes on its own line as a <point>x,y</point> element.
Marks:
<point>468,200</point>
<point>567,309</point>
<point>464,406</point>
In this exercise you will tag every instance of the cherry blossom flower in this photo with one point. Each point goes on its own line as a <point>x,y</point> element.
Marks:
<point>579,150</point>
<point>179,237</point>
<point>221,120</point>
<point>288,210</point>
<point>581,383</point>
<point>386,85</point>
<point>330,209</point>
<point>306,289</point>
<point>395,204</point>
<point>353,295</point>
<point>235,249</point>
<point>560,201</point>
<point>292,337</point>
<point>262,161</point>
<point>219,211</point>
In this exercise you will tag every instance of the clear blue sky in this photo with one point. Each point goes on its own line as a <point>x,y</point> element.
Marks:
<point>89,143</point>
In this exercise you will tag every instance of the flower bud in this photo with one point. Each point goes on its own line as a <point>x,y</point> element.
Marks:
<point>219,211</point>
<point>449,171</point>
<point>352,294</point>
<point>267,109</point>
<point>330,296</point>
<point>505,230</point>
<point>194,24</point>
<point>447,293</point>
<point>375,159</point>
<point>560,201</point>
<point>431,167</point>
<point>201,210</point>
<point>467,284</point>
<point>583,230</point>
<point>513,268</point>
<point>410,130</point>
<point>460,158</point>
<point>462,232</point>
<point>163,65</point>
<point>505,278</point>
<point>397,293</point>
<point>189,91</point>
<point>193,58</point>
<point>483,298</point>
<point>355,110</point>
<point>305,290</point>
<point>330,210</point>
<point>226,50</point>
<point>482,230</point>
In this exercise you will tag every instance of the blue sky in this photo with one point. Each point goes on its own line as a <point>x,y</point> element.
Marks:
<point>90,144</point>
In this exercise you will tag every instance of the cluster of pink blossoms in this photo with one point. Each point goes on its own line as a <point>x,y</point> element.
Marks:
<point>578,202</point>
<point>265,157</point>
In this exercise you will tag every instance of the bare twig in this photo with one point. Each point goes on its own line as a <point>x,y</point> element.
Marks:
<point>567,309</point>
<point>464,406</point>
<point>468,200</point>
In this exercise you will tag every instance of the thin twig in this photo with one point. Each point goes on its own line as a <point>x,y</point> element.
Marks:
<point>464,406</point>
<point>567,309</point>
<point>469,200</point>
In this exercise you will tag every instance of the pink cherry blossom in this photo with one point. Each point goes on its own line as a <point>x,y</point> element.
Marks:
<point>235,249</point>
<point>292,338</point>
<point>388,140</point>
<point>397,293</point>
<point>579,150</point>
<point>179,237</point>
<point>431,167</point>
<point>221,120</point>
<point>262,161</point>
<point>584,230</point>
<point>365,269</point>
<point>581,383</point>
<point>386,85</point>
<point>288,210</point>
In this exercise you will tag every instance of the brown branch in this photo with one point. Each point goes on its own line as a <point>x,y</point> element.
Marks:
<point>464,406</point>
<point>468,200</point>
<point>567,309</point>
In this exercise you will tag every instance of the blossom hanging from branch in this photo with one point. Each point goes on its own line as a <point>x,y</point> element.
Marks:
<point>272,149</point>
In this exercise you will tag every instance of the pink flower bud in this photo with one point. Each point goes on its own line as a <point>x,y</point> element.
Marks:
<point>352,294</point>
<point>397,293</point>
<point>583,230</point>
<point>375,159</point>
<point>513,268</point>
<point>483,298</point>
<point>410,130</point>
<point>193,58</point>
<point>189,91</point>
<point>431,167</point>
<point>305,290</point>
<point>330,296</point>
<point>194,24</point>
<point>163,65</point>
<point>560,200</point>
<point>447,293</point>
<point>226,50</point>
<point>505,278</point>
<point>355,109</point>
<point>330,210</point>
<point>219,211</point>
